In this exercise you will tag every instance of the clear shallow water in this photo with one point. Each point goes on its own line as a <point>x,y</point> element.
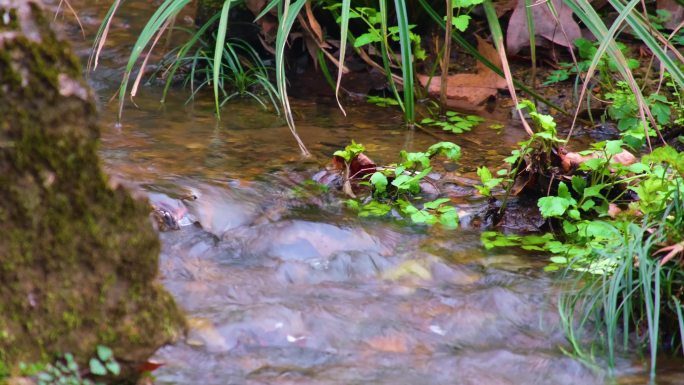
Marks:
<point>287,287</point>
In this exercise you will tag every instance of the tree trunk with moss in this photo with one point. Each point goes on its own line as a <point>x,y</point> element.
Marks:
<point>78,258</point>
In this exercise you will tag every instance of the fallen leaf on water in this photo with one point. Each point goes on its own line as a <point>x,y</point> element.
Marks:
<point>470,90</point>
<point>545,26</point>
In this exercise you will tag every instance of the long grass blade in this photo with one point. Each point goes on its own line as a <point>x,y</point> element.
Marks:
<point>406,60</point>
<point>680,320</point>
<point>218,51</point>
<point>166,10</point>
<point>478,56</point>
<point>182,53</point>
<point>267,9</point>
<point>289,15</point>
<point>386,53</point>
<point>651,38</point>
<point>101,36</point>
<point>344,30</point>
<point>588,15</point>
<point>141,73</point>
<point>497,36</point>
<point>446,57</point>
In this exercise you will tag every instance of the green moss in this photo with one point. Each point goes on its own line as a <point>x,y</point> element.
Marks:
<point>80,260</point>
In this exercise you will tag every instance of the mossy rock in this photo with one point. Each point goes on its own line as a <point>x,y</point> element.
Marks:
<point>78,257</point>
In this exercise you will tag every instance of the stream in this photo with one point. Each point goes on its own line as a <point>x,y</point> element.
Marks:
<point>284,285</point>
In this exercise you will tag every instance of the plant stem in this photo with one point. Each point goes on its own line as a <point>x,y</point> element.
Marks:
<point>446,58</point>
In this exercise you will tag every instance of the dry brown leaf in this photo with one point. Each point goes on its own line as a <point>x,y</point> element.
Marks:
<point>545,26</point>
<point>470,90</point>
<point>313,23</point>
<point>572,160</point>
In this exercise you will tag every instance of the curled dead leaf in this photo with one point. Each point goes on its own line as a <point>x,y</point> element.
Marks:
<point>359,167</point>
<point>470,90</point>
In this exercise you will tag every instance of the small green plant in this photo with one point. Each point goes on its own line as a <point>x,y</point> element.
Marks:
<point>241,72</point>
<point>382,101</point>
<point>461,19</point>
<point>65,371</point>
<point>398,186</point>
<point>624,109</point>
<point>607,67</point>
<point>455,122</point>
<point>372,18</point>
<point>532,154</point>
<point>488,181</point>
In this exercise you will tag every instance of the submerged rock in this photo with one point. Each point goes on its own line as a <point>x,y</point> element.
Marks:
<point>78,258</point>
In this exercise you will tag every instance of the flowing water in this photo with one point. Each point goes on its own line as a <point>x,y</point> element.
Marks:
<point>283,285</point>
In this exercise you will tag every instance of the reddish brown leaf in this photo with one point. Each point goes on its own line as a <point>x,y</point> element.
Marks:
<point>470,90</point>
<point>313,23</point>
<point>572,160</point>
<point>545,26</point>
<point>150,366</point>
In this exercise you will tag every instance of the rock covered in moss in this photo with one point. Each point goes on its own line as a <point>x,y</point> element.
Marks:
<point>78,258</point>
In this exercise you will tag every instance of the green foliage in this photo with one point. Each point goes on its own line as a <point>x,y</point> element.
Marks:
<point>382,102</point>
<point>372,18</point>
<point>65,371</point>
<point>539,145</point>
<point>636,294</point>
<point>455,122</point>
<point>587,50</point>
<point>624,109</point>
<point>492,239</point>
<point>585,205</point>
<point>437,211</point>
<point>658,20</point>
<point>488,181</point>
<point>462,8</point>
<point>237,70</point>
<point>397,187</point>
<point>350,152</point>
<point>377,39</point>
